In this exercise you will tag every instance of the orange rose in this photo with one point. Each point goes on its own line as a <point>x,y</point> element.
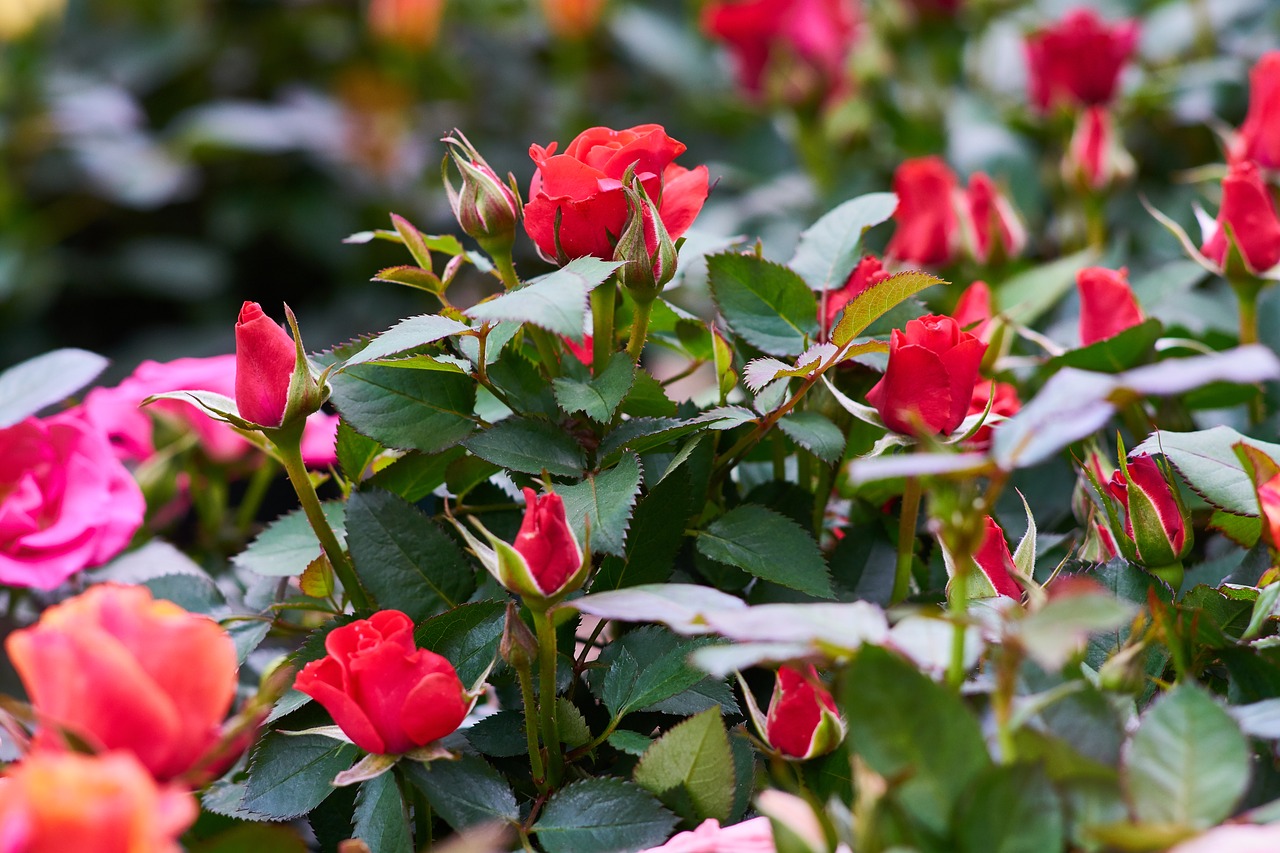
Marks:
<point>52,802</point>
<point>123,671</point>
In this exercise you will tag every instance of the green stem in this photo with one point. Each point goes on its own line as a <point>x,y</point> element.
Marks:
<point>291,456</point>
<point>546,350</point>
<point>547,657</point>
<point>603,304</point>
<point>1095,221</point>
<point>254,493</point>
<point>956,606</point>
<point>906,540</point>
<point>821,495</point>
<point>1002,701</point>
<point>639,329</point>
<point>1247,295</point>
<point>586,748</point>
<point>531,726</point>
<point>506,271</point>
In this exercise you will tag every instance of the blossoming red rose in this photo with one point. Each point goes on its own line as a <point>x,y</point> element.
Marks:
<point>802,721</point>
<point>928,383</point>
<point>1078,60</point>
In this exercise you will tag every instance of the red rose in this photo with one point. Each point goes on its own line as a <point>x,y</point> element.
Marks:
<point>265,359</point>
<point>149,677</point>
<point>1269,502</point>
<point>1259,137</point>
<point>928,228</point>
<point>1078,60</point>
<point>53,802</point>
<point>807,41</point>
<point>1006,403</point>
<point>992,227</point>
<point>1160,538</point>
<point>546,543</point>
<point>996,563</point>
<point>1248,209</point>
<point>386,694</point>
<point>928,384</point>
<point>1107,305</point>
<point>802,721</point>
<point>867,273</point>
<point>1095,157</point>
<point>582,188</point>
<point>974,310</point>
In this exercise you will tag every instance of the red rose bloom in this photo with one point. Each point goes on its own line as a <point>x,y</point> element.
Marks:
<point>928,228</point>
<point>1259,136</point>
<point>803,721</point>
<point>867,273</point>
<point>815,36</point>
<point>547,544</point>
<point>1078,60</point>
<point>582,188</point>
<point>929,381</point>
<point>1248,209</point>
<point>265,358</point>
<point>1107,305</point>
<point>385,693</point>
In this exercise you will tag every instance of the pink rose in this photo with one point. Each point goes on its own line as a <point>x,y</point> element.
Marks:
<point>66,502</point>
<point>750,836</point>
<point>1241,838</point>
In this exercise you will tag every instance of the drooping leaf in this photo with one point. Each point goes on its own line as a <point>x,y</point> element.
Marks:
<point>530,446</point>
<point>769,546</point>
<point>602,814</point>
<point>690,768</point>
<point>765,303</point>
<point>604,501</point>
<point>28,387</point>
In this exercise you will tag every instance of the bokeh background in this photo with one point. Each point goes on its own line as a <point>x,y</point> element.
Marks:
<point>163,160</point>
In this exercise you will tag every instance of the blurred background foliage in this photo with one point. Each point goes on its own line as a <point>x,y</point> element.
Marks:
<point>164,160</point>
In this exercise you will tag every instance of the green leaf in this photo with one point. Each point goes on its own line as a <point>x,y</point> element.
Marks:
<point>1207,461</point>
<point>416,475</point>
<point>600,396</point>
<point>604,501</point>
<point>530,446</point>
<point>632,743</point>
<point>764,303</point>
<point>573,726</point>
<point>253,838</point>
<point>381,820</point>
<point>423,410</point>
<point>1188,763</point>
<point>501,735</point>
<point>603,815</point>
<point>1029,295</point>
<point>1011,809</point>
<point>555,302</point>
<point>524,386</point>
<point>1263,609</point>
<point>467,635</point>
<point>769,546</point>
<point>656,531</point>
<point>29,386</point>
<point>829,249</point>
<point>355,452</point>
<point>291,775</point>
<point>1055,632</point>
<point>411,276</point>
<point>645,667</point>
<point>910,729</point>
<point>1113,354</point>
<point>464,792</point>
<point>691,766</point>
<point>815,434</point>
<point>647,398</point>
<point>406,335</point>
<point>403,558</point>
<point>869,305</point>
<point>286,546</point>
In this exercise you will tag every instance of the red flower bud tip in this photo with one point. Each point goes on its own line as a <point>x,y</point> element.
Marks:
<point>1269,502</point>
<point>868,273</point>
<point>572,19</point>
<point>928,228</point>
<point>992,227</point>
<point>546,543</point>
<point>928,384</point>
<point>582,351</point>
<point>265,359</point>
<point>1077,62</point>
<point>1006,403</point>
<point>385,694</point>
<point>803,721</point>
<point>411,24</point>
<point>1107,305</point>
<point>995,561</point>
<point>796,50</point>
<point>1248,209</point>
<point>1259,137</point>
<point>1154,518</point>
<point>1095,157</point>
<point>974,310</point>
<point>577,205</point>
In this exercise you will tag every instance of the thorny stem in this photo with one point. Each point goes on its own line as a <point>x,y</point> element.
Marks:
<point>639,329</point>
<point>547,656</point>
<point>906,540</point>
<point>750,440</point>
<point>531,726</point>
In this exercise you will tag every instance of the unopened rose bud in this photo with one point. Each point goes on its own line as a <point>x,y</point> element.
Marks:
<point>487,208</point>
<point>991,229</point>
<point>274,385</point>
<point>1155,520</point>
<point>1247,209</point>
<point>1259,136</point>
<point>645,248</point>
<point>518,646</point>
<point>803,721</point>
<point>996,573</point>
<point>1107,304</point>
<point>1096,158</point>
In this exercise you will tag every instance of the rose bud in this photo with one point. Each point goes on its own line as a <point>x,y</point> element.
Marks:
<point>1269,503</point>
<point>868,273</point>
<point>486,207</point>
<point>795,50</point>
<point>1248,209</point>
<point>150,677</point>
<point>803,721</point>
<point>580,351</point>
<point>992,231</point>
<point>66,502</point>
<point>274,385</point>
<point>1099,545</point>
<point>52,802</point>
<point>1107,305</point>
<point>1156,523</point>
<point>573,19</point>
<point>411,24</point>
<point>1005,403</point>
<point>385,693</point>
<point>928,384</point>
<point>973,311</point>
<point>1095,158</point>
<point>577,206</point>
<point>995,562</point>
<point>1259,137</point>
<point>1078,61</point>
<point>646,250</point>
<point>928,230</point>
